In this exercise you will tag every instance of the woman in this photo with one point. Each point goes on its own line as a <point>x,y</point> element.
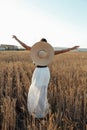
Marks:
<point>42,54</point>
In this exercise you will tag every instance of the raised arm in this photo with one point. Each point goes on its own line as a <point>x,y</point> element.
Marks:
<point>23,44</point>
<point>65,50</point>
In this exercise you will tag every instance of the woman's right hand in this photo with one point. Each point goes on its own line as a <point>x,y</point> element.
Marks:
<point>13,36</point>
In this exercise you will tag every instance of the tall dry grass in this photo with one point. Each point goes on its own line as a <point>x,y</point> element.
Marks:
<point>67,92</point>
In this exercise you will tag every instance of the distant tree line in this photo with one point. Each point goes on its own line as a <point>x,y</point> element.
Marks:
<point>4,47</point>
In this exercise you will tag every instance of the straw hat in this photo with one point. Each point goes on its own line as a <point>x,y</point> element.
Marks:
<point>42,53</point>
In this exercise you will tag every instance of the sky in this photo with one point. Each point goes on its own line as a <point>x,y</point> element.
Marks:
<point>62,22</point>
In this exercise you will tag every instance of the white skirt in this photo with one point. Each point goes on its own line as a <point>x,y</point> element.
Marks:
<point>38,105</point>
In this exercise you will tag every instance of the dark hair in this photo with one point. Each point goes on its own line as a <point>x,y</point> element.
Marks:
<point>43,40</point>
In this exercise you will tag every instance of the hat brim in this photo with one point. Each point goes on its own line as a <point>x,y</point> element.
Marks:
<point>40,46</point>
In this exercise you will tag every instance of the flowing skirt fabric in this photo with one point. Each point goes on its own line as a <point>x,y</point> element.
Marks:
<point>38,105</point>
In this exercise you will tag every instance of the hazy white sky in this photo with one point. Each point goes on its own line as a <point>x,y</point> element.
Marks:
<point>62,22</point>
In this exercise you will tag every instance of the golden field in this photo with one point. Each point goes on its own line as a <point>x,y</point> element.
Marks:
<point>67,92</point>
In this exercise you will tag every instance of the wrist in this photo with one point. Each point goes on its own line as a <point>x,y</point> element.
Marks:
<point>72,48</point>
<point>15,38</point>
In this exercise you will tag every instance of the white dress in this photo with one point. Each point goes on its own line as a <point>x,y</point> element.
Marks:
<point>38,105</point>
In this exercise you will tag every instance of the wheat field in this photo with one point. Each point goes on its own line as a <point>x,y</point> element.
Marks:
<point>67,92</point>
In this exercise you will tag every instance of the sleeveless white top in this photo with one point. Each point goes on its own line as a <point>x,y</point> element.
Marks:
<point>38,105</point>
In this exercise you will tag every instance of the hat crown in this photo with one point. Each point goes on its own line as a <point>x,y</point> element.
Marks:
<point>42,54</point>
